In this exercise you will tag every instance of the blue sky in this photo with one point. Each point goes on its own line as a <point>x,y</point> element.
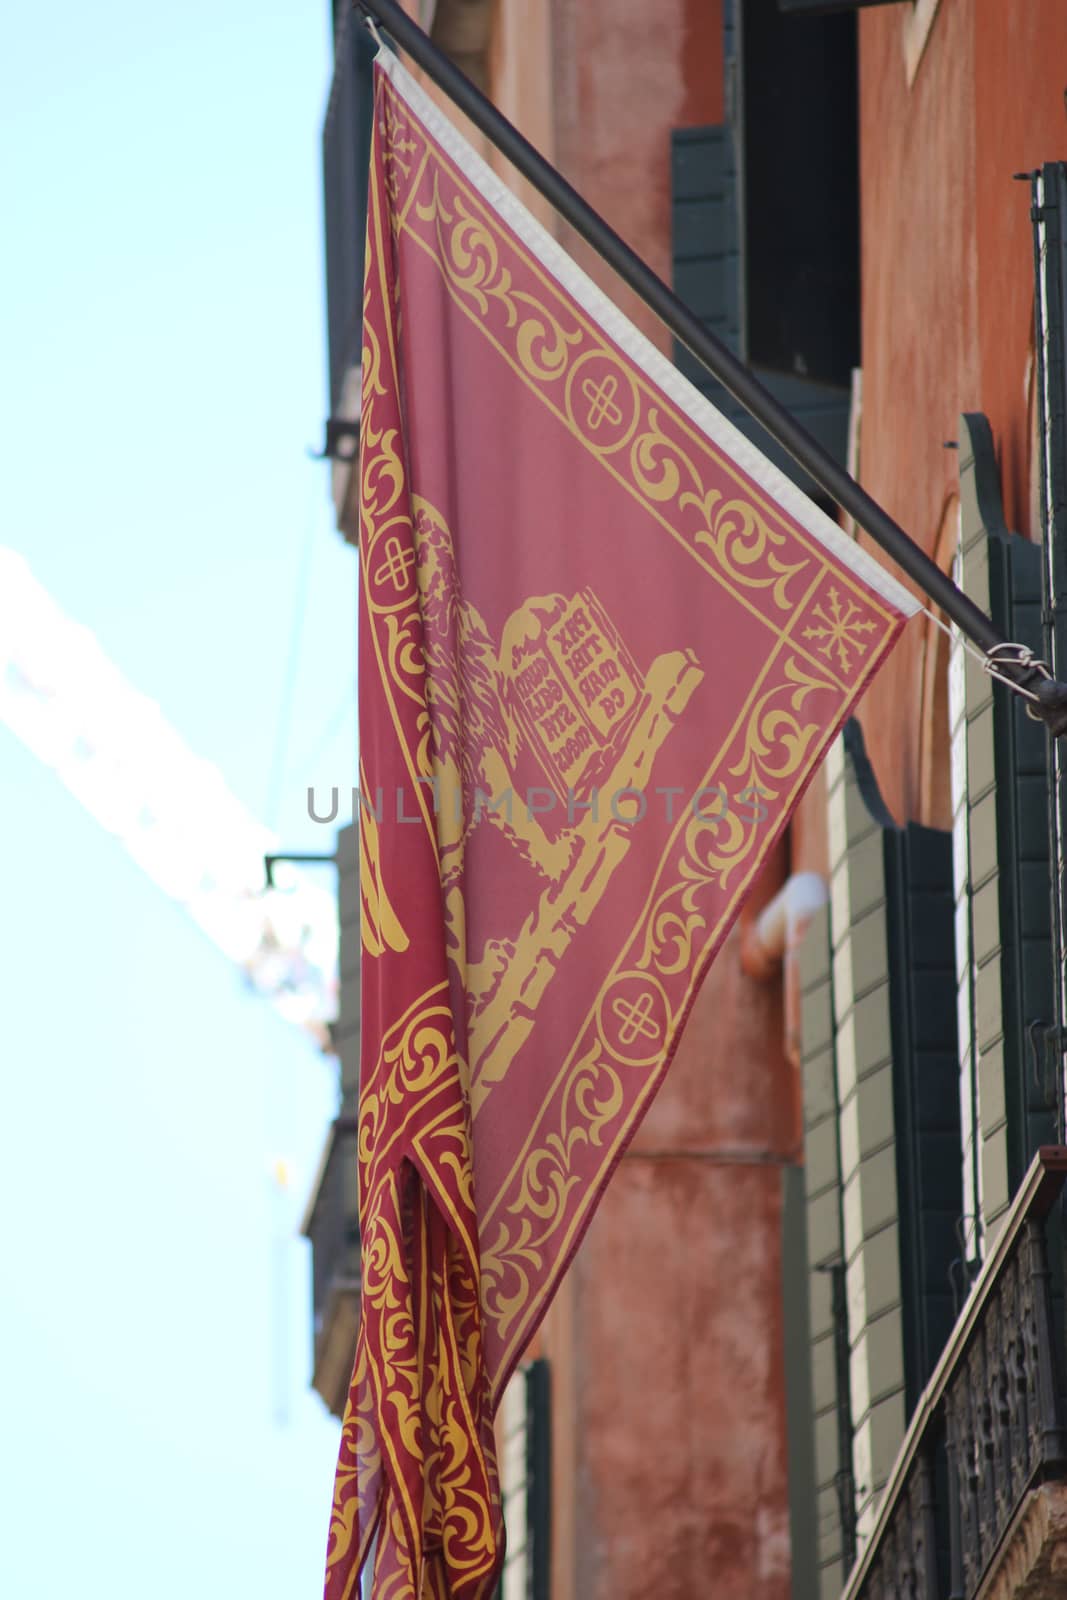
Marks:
<point>163,371</point>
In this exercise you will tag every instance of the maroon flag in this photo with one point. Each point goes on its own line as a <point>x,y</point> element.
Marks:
<point>603,646</point>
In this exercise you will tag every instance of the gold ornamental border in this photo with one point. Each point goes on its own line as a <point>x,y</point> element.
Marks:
<point>381,454</point>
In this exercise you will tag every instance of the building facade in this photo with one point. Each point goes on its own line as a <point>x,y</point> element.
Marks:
<point>808,1346</point>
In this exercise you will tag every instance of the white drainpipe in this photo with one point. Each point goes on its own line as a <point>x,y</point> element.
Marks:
<point>770,942</point>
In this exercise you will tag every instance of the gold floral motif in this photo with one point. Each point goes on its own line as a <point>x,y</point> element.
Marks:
<point>468,254</point>
<point>403,643</point>
<point>398,150</point>
<point>592,1098</point>
<point>744,541</point>
<point>460,1469</point>
<point>776,739</point>
<point>394,1576</point>
<point>431,1389</point>
<point>745,546</point>
<point>669,941</point>
<point>654,460</point>
<point>417,1054</point>
<point>721,837</point>
<point>840,630</point>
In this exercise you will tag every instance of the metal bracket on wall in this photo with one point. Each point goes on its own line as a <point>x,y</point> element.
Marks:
<point>338,430</point>
<point>270,861</point>
<point>844,1478</point>
<point>964,1269</point>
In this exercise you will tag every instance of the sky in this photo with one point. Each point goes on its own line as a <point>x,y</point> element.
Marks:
<point>163,374</point>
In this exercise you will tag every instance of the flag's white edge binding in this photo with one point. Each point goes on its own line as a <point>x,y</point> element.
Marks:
<point>640,350</point>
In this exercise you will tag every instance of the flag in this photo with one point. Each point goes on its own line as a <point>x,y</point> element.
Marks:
<point>603,646</point>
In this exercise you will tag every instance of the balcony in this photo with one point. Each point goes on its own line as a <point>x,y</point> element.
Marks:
<point>976,1504</point>
<point>332,1225</point>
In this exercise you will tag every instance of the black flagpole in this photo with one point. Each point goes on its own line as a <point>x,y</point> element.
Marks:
<point>1051,697</point>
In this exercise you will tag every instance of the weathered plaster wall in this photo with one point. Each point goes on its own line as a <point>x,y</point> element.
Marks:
<point>625,76</point>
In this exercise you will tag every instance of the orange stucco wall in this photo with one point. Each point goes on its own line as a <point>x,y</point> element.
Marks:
<point>947,284</point>
<point>625,76</point>
<point>666,1338</point>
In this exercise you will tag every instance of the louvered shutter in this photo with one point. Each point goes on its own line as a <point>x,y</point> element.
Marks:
<point>818,1316</point>
<point>1002,855</point>
<point>706,268</point>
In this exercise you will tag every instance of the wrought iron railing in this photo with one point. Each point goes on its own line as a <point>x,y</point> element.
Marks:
<point>989,1426</point>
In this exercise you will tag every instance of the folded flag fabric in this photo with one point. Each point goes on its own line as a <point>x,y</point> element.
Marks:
<point>604,644</point>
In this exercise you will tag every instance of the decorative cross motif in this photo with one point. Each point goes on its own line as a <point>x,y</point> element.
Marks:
<point>601,398</point>
<point>636,1019</point>
<point>398,562</point>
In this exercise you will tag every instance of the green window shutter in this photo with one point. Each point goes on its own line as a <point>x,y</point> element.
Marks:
<point>1049,214</point>
<point>1002,854</point>
<point>862,1005</point>
<point>710,215</point>
<point>707,276</point>
<point>923,1120</point>
<point>898,1120</point>
<point>539,1479</point>
<point>800,204</point>
<point>823,1495</point>
<point>926,1101</point>
<point>1022,828</point>
<point>704,243</point>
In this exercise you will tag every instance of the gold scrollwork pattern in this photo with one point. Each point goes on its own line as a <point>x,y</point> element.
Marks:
<point>417,1057</point>
<point>418,1422</point>
<point>469,255</point>
<point>387,548</point>
<point>775,742</point>
<point>514,1258</point>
